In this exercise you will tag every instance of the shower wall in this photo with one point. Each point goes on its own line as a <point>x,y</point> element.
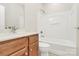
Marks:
<point>58,28</point>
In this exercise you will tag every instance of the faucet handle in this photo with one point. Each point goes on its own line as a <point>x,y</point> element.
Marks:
<point>14,27</point>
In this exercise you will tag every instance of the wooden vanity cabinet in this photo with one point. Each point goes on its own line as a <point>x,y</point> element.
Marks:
<point>10,47</point>
<point>19,53</point>
<point>33,45</point>
<point>23,46</point>
<point>22,51</point>
<point>33,49</point>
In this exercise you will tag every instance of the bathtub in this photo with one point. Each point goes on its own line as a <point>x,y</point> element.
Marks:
<point>61,47</point>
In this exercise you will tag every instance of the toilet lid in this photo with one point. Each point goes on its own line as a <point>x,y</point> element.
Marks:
<point>42,44</point>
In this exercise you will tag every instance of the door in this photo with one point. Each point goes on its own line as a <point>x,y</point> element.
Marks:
<point>33,49</point>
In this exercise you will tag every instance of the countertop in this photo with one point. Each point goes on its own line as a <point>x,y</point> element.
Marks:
<point>10,36</point>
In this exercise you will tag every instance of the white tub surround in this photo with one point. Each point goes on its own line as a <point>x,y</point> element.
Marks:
<point>58,28</point>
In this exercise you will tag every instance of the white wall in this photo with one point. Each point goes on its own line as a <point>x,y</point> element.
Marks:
<point>31,14</point>
<point>59,27</point>
<point>57,7</point>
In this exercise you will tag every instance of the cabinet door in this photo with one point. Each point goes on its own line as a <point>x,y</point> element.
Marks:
<point>19,53</point>
<point>33,38</point>
<point>23,51</point>
<point>26,51</point>
<point>33,49</point>
<point>11,46</point>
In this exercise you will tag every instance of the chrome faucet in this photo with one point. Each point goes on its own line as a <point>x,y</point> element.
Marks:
<point>13,29</point>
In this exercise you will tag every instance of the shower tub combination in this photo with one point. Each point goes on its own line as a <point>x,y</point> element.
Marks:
<point>58,30</point>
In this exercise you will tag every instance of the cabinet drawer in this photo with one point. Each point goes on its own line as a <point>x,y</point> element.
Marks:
<point>19,53</point>
<point>9,47</point>
<point>33,38</point>
<point>33,49</point>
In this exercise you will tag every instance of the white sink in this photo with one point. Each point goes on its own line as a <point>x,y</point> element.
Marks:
<point>9,35</point>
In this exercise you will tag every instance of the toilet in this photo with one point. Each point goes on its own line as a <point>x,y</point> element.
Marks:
<point>44,48</point>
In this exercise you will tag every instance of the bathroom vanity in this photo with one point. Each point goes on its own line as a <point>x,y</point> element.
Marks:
<point>20,45</point>
<point>14,20</point>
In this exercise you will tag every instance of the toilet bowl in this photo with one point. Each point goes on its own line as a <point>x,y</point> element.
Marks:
<point>44,48</point>
<point>43,44</point>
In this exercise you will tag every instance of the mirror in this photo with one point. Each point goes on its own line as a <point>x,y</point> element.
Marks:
<point>2,17</point>
<point>14,15</point>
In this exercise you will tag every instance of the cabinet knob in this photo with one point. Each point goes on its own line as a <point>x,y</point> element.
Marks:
<point>30,49</point>
<point>26,53</point>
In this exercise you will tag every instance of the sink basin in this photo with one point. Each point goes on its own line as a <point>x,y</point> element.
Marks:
<point>4,34</point>
<point>9,35</point>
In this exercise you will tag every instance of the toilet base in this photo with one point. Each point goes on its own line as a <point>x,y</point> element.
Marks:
<point>44,48</point>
